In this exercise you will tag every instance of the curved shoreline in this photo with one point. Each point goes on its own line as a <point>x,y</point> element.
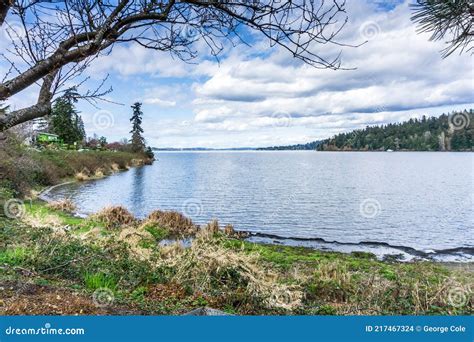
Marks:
<point>466,252</point>
<point>406,253</point>
<point>43,194</point>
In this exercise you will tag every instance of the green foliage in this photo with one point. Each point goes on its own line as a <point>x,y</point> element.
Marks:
<point>326,310</point>
<point>425,134</point>
<point>99,280</point>
<point>139,294</point>
<point>103,141</point>
<point>159,233</point>
<point>138,142</point>
<point>149,153</point>
<point>66,121</point>
<point>23,169</point>
<point>309,146</point>
<point>13,256</point>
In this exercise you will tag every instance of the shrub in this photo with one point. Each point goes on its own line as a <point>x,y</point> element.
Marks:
<point>175,222</point>
<point>208,267</point>
<point>114,217</point>
<point>26,168</point>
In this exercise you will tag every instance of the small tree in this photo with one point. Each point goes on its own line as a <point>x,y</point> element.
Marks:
<point>102,141</point>
<point>65,119</point>
<point>138,142</point>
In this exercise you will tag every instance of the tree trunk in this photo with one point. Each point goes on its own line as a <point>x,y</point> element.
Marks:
<point>40,109</point>
<point>4,7</point>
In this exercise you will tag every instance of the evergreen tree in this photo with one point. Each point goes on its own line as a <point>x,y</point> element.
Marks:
<point>447,20</point>
<point>65,120</point>
<point>80,128</point>
<point>137,141</point>
<point>102,141</point>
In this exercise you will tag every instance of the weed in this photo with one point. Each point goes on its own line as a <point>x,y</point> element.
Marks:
<point>99,280</point>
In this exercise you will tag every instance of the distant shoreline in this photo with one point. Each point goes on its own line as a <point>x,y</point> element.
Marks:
<point>283,150</point>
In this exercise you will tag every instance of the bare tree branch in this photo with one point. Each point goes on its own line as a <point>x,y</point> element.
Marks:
<point>77,31</point>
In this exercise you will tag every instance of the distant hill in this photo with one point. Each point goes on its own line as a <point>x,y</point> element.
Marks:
<point>203,149</point>
<point>309,146</point>
<point>453,132</point>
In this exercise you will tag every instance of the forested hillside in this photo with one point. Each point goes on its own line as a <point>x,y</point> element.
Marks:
<point>309,146</point>
<point>453,132</point>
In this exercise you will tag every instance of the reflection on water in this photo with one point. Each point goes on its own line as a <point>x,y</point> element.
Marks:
<point>420,200</point>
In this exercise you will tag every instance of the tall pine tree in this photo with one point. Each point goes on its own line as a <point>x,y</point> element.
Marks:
<point>65,120</point>
<point>137,141</point>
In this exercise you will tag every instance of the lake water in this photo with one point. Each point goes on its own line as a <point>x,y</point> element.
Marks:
<point>417,204</point>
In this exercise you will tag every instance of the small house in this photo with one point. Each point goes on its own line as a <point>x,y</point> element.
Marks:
<point>47,138</point>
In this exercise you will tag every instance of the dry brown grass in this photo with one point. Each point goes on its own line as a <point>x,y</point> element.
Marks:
<point>176,223</point>
<point>229,230</point>
<point>114,217</point>
<point>81,176</point>
<point>133,237</point>
<point>37,220</point>
<point>99,173</point>
<point>208,267</point>
<point>65,205</point>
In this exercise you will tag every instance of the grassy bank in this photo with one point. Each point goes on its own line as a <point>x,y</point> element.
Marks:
<point>111,263</point>
<point>24,169</point>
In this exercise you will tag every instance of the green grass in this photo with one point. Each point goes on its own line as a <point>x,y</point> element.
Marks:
<point>13,256</point>
<point>99,280</point>
<point>78,225</point>
<point>332,283</point>
<point>159,233</point>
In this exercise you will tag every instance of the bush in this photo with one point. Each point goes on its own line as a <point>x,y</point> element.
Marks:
<point>176,223</point>
<point>114,217</point>
<point>26,168</point>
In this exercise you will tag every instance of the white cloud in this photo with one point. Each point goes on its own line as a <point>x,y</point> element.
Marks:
<point>399,74</point>
<point>159,102</point>
<point>239,101</point>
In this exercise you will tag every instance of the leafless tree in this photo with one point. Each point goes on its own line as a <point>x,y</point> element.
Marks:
<point>56,40</point>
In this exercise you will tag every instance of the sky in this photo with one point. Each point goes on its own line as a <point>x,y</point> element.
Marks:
<point>261,96</point>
